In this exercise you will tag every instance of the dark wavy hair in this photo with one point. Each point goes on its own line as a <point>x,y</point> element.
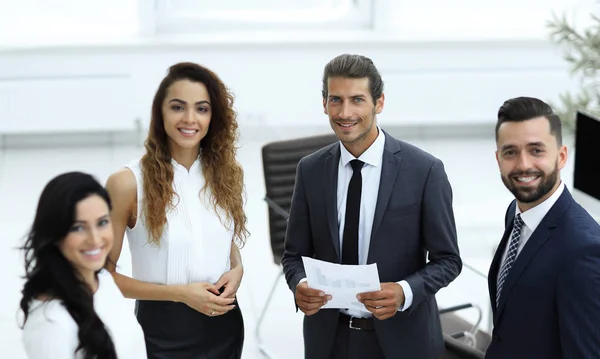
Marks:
<point>224,175</point>
<point>48,273</point>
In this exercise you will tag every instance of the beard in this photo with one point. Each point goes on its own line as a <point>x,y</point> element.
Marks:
<point>531,194</point>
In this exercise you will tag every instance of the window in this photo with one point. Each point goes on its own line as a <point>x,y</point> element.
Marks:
<point>192,16</point>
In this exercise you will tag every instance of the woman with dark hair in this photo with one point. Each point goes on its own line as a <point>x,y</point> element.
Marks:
<point>72,306</point>
<point>181,206</point>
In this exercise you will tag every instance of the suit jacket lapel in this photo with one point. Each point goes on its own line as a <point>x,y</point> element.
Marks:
<point>535,242</point>
<point>389,171</point>
<point>331,179</point>
<point>538,238</point>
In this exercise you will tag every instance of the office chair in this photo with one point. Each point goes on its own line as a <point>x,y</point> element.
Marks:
<point>280,160</point>
<point>463,332</point>
<point>455,349</point>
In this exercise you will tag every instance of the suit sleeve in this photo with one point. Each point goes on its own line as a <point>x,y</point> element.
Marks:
<point>578,304</point>
<point>438,231</point>
<point>298,241</point>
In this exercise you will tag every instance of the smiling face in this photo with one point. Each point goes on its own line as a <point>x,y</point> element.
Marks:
<point>186,113</point>
<point>352,112</point>
<point>530,160</point>
<point>90,238</point>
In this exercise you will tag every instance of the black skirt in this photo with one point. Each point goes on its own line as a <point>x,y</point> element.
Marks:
<point>176,331</point>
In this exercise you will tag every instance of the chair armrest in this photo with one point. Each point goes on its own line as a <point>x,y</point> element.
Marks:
<point>277,208</point>
<point>475,327</point>
<point>455,308</point>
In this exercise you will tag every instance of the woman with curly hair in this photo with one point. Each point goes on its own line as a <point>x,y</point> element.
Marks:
<point>181,206</point>
<point>72,306</point>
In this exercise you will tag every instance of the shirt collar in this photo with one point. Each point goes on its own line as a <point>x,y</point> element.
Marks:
<point>179,167</point>
<point>372,156</point>
<point>534,216</point>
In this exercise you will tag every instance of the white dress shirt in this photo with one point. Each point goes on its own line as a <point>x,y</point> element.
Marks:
<point>195,244</point>
<point>531,219</point>
<point>371,176</point>
<point>51,332</point>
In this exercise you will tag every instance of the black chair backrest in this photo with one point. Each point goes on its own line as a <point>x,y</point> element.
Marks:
<point>280,160</point>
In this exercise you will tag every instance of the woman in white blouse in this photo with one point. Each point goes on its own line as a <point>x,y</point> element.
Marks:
<point>181,206</point>
<point>72,306</point>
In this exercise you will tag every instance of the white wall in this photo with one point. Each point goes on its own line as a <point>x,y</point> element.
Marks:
<point>277,83</point>
<point>67,66</point>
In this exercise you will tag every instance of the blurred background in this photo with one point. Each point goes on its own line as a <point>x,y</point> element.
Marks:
<point>77,79</point>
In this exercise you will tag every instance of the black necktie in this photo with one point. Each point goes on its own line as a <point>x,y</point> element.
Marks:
<point>350,239</point>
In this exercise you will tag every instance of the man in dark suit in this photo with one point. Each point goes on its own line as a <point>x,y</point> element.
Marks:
<point>370,198</point>
<point>544,281</point>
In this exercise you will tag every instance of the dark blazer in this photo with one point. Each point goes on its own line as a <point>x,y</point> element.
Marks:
<point>413,216</point>
<point>550,302</point>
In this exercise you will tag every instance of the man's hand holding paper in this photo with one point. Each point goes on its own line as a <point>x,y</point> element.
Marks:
<point>340,283</point>
<point>385,303</point>
<point>310,300</point>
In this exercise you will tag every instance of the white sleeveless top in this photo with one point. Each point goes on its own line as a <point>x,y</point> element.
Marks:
<point>50,332</point>
<point>195,245</point>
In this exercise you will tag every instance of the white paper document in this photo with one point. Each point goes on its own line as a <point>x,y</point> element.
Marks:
<point>343,282</point>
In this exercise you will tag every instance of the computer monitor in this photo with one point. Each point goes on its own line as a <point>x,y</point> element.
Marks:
<point>586,177</point>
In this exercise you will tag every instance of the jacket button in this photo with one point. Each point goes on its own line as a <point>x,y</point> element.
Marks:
<point>496,337</point>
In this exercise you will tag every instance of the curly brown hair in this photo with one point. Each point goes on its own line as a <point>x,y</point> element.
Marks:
<point>224,175</point>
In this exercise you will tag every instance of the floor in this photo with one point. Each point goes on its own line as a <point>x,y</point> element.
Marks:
<point>480,200</point>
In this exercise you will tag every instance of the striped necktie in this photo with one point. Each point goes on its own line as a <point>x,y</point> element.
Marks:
<point>511,255</point>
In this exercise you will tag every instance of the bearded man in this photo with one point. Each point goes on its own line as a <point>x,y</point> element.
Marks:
<point>544,280</point>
